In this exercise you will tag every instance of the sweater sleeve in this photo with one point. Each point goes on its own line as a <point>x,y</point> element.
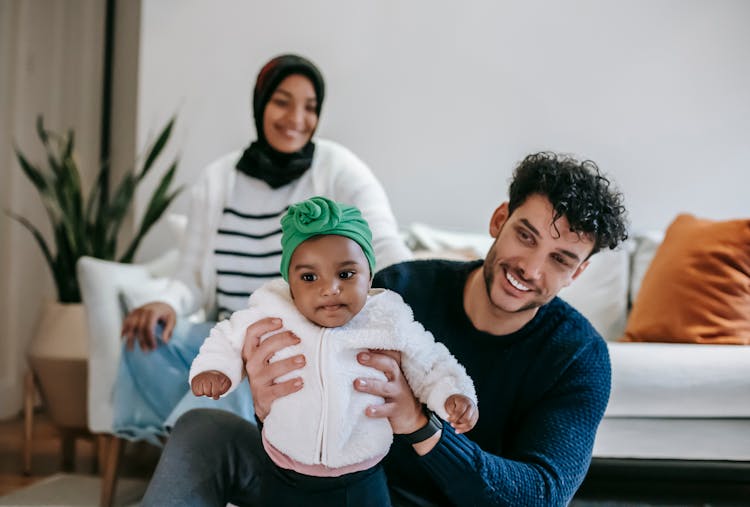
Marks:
<point>192,285</point>
<point>352,182</point>
<point>546,458</point>
<point>222,350</point>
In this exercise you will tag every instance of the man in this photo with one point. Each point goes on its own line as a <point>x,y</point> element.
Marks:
<point>541,372</point>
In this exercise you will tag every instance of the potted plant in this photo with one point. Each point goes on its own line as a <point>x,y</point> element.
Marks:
<point>83,224</point>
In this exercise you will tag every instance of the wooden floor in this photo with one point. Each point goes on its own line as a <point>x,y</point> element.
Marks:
<point>138,460</point>
<point>640,482</point>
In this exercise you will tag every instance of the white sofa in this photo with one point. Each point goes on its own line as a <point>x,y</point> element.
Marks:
<point>669,401</point>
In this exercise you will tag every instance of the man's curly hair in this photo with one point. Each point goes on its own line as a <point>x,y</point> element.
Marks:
<point>577,191</point>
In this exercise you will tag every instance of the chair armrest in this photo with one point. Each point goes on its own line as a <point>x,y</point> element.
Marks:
<point>103,285</point>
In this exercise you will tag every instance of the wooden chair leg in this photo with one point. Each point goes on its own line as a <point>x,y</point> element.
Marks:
<point>109,470</point>
<point>28,420</point>
<point>68,446</point>
<point>102,445</point>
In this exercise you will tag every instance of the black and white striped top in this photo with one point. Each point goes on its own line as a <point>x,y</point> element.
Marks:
<point>247,251</point>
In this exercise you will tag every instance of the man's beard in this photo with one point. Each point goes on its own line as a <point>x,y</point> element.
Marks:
<point>489,270</point>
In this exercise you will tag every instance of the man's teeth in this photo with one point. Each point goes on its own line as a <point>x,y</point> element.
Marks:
<point>515,283</point>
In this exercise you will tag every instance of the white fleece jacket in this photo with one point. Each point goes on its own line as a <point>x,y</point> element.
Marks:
<point>324,423</point>
<point>336,173</point>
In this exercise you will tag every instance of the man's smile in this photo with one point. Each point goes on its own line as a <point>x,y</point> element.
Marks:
<point>515,282</point>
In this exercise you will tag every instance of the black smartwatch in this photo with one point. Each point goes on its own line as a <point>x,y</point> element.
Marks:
<point>434,424</point>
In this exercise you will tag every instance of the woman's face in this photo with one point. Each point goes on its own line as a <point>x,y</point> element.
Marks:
<point>290,118</point>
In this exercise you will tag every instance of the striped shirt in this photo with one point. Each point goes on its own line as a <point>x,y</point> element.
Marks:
<point>247,252</point>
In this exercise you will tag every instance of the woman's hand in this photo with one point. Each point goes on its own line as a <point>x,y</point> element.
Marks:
<point>139,325</point>
<point>261,373</point>
<point>402,409</point>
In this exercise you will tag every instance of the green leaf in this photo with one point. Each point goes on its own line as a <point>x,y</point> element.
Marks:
<point>157,205</point>
<point>156,149</point>
<point>37,236</point>
<point>88,226</point>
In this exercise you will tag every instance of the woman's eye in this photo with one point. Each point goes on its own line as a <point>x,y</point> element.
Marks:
<point>308,277</point>
<point>280,102</point>
<point>310,108</point>
<point>345,275</point>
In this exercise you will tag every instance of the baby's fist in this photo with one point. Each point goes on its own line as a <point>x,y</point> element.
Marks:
<point>463,413</point>
<point>210,383</point>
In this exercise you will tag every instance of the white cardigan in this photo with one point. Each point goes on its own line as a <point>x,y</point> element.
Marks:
<point>336,173</point>
<point>324,423</point>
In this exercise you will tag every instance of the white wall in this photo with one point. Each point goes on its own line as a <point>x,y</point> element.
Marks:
<point>442,99</point>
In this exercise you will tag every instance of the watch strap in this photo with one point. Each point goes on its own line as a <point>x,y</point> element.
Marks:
<point>434,424</point>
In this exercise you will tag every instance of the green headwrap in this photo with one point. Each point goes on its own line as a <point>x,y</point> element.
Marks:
<point>320,216</point>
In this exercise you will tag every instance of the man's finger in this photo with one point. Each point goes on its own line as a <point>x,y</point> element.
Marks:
<point>287,387</point>
<point>257,329</point>
<point>377,387</point>
<point>380,361</point>
<point>275,343</point>
<point>382,410</point>
<point>272,371</point>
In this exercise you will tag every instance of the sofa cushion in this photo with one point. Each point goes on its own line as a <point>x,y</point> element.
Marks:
<point>697,288</point>
<point>679,380</point>
<point>600,293</point>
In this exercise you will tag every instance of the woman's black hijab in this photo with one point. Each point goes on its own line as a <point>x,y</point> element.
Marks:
<point>260,160</point>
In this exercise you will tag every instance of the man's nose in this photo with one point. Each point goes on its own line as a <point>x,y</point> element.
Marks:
<point>530,267</point>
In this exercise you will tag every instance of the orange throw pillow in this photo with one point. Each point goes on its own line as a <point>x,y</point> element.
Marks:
<point>697,288</point>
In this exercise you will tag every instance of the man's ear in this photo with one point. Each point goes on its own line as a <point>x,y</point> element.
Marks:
<point>499,217</point>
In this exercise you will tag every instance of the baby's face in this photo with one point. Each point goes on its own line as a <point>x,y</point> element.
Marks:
<point>329,278</point>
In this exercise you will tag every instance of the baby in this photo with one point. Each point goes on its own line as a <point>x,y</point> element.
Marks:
<point>319,439</point>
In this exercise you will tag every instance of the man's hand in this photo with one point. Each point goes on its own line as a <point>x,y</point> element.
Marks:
<point>463,413</point>
<point>402,409</point>
<point>139,325</point>
<point>210,383</point>
<point>261,373</point>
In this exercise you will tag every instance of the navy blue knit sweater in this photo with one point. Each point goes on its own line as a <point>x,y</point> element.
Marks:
<point>542,393</point>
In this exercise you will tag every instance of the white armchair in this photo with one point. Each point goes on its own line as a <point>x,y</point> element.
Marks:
<point>108,289</point>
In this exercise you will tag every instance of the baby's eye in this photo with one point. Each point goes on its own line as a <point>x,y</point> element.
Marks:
<point>308,277</point>
<point>345,275</point>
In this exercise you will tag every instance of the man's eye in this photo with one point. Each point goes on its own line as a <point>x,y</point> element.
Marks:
<point>308,277</point>
<point>524,236</point>
<point>560,259</point>
<point>345,275</point>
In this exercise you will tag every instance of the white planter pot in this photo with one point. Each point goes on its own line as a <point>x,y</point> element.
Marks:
<point>58,356</point>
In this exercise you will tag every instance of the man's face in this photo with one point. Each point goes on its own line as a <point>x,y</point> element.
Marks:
<point>329,278</point>
<point>532,259</point>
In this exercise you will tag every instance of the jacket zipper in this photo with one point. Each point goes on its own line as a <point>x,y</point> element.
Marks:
<point>323,427</point>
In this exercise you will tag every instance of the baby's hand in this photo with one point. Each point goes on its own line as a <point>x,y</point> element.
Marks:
<point>462,412</point>
<point>210,383</point>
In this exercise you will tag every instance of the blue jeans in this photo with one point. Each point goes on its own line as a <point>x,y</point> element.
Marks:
<point>152,390</point>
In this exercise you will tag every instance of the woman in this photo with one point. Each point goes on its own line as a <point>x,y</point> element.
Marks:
<point>232,244</point>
